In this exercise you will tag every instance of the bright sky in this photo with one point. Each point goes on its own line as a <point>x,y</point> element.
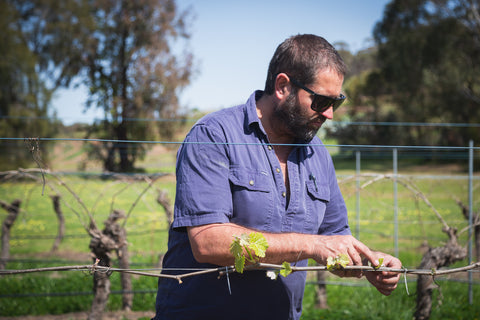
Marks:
<point>233,42</point>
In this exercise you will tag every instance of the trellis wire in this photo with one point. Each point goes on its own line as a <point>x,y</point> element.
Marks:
<point>342,123</point>
<point>229,269</point>
<point>394,149</point>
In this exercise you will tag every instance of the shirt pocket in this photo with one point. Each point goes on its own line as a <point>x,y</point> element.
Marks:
<point>252,198</point>
<point>318,198</point>
<point>250,180</point>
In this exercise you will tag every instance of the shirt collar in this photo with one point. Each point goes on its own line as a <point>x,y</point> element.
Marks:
<point>251,112</point>
<point>252,117</point>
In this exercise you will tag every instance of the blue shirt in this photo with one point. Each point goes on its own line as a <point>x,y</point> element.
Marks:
<point>228,172</point>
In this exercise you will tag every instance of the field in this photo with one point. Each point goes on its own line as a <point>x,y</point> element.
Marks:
<point>58,293</point>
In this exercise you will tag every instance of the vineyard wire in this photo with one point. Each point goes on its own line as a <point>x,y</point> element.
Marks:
<point>230,269</point>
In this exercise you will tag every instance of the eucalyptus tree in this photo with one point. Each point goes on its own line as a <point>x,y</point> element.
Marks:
<point>134,71</point>
<point>27,80</point>
<point>428,54</point>
<point>131,55</point>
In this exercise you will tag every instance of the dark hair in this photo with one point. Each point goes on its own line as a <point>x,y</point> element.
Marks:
<point>301,57</point>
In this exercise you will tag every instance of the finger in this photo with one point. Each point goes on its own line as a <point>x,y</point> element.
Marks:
<point>355,258</point>
<point>384,287</point>
<point>366,252</point>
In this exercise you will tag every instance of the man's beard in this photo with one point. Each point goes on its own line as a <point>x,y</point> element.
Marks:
<point>291,116</point>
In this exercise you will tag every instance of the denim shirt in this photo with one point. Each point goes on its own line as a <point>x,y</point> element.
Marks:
<point>227,171</point>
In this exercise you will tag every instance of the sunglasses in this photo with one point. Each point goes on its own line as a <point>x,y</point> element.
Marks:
<point>320,103</point>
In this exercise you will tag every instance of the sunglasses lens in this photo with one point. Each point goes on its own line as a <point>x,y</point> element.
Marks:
<point>321,103</point>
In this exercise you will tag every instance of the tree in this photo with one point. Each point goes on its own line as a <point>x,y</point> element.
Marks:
<point>132,73</point>
<point>125,52</point>
<point>24,94</point>
<point>428,53</point>
<point>426,70</point>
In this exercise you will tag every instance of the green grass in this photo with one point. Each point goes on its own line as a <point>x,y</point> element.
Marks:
<point>364,302</point>
<point>72,293</point>
<point>147,236</point>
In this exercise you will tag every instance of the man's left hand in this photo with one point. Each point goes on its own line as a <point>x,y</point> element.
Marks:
<point>385,282</point>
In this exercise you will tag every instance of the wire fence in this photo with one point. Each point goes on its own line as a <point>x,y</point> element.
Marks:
<point>385,188</point>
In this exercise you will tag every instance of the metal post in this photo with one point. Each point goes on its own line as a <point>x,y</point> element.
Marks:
<point>470,220</point>
<point>357,227</point>
<point>395,200</point>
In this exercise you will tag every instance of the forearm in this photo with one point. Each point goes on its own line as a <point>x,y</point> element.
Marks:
<point>211,244</point>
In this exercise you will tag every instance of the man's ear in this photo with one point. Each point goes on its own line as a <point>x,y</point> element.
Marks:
<point>282,86</point>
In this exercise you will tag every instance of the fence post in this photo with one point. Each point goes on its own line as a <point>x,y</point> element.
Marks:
<point>357,208</point>
<point>470,220</point>
<point>395,200</point>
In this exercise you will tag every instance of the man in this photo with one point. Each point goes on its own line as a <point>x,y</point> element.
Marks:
<point>260,167</point>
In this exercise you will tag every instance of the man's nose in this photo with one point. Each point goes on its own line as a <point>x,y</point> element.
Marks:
<point>328,113</point>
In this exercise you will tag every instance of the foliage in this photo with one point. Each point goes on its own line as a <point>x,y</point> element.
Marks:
<point>426,70</point>
<point>337,263</point>
<point>253,244</point>
<point>133,73</point>
<point>126,53</point>
<point>24,91</point>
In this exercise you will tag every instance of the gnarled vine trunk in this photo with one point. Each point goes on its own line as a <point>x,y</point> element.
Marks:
<point>112,238</point>
<point>436,258</point>
<point>61,222</point>
<point>321,291</point>
<point>13,210</point>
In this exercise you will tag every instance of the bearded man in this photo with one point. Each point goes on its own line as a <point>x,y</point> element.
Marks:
<point>259,167</point>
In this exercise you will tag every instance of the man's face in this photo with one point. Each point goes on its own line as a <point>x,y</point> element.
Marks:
<point>295,115</point>
<point>294,118</point>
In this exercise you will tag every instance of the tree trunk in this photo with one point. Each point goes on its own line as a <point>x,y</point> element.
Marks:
<point>13,210</point>
<point>126,278</point>
<point>112,238</point>
<point>109,161</point>
<point>123,148</point>
<point>101,288</point>
<point>433,259</point>
<point>61,222</point>
<point>476,229</point>
<point>164,201</point>
<point>321,291</point>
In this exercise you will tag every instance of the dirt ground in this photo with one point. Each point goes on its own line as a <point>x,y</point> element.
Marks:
<point>113,315</point>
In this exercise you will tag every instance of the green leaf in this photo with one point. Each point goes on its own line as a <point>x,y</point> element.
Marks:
<point>330,263</point>
<point>380,264</point>
<point>248,247</point>
<point>337,263</point>
<point>239,264</point>
<point>244,240</point>
<point>235,248</point>
<point>343,260</point>
<point>286,269</point>
<point>258,244</point>
<point>237,251</point>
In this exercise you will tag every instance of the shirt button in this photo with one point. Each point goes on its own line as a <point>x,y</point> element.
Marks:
<point>278,170</point>
<point>284,194</point>
<point>269,147</point>
<point>251,182</point>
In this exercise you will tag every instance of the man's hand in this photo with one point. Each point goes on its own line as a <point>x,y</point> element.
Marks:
<point>333,246</point>
<point>385,282</point>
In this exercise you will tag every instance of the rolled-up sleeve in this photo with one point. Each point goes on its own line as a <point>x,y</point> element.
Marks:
<point>203,193</point>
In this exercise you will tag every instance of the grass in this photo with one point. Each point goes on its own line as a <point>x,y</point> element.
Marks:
<point>364,302</point>
<point>147,236</point>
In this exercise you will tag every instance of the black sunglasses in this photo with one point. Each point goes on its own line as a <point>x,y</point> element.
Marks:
<point>320,103</point>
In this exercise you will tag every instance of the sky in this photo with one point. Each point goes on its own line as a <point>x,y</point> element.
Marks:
<point>233,42</point>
